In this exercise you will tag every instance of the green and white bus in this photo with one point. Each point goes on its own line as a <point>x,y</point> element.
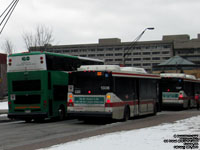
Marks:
<point>38,84</point>
<point>112,91</point>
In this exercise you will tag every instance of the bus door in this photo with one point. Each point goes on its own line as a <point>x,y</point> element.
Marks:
<point>137,100</point>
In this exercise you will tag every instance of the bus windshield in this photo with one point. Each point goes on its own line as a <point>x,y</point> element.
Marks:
<point>95,83</point>
<point>172,85</point>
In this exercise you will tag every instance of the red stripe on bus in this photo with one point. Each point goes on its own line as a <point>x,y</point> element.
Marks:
<point>118,104</point>
<point>24,107</point>
<point>132,74</point>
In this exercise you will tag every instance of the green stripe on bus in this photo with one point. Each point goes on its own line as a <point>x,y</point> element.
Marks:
<point>39,53</point>
<point>170,95</point>
<point>89,100</point>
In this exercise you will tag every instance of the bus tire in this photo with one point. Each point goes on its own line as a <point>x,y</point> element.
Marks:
<point>126,113</point>
<point>28,120</point>
<point>188,106</point>
<point>155,110</point>
<point>61,113</point>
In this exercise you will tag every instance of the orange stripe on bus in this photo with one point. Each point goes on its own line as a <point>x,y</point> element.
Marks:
<point>24,107</point>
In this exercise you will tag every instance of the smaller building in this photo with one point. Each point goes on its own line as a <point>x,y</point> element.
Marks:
<point>3,76</point>
<point>178,64</point>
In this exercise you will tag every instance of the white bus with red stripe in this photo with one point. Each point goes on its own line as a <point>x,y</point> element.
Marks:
<point>179,89</point>
<point>112,91</point>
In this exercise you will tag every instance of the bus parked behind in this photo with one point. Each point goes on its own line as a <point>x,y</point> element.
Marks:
<point>179,89</point>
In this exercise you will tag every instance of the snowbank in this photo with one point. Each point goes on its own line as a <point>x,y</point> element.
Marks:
<point>3,105</point>
<point>163,137</point>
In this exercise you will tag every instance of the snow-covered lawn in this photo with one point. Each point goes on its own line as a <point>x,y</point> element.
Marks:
<point>162,137</point>
<point>3,105</point>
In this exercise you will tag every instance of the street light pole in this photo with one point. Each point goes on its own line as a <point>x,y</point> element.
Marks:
<point>134,42</point>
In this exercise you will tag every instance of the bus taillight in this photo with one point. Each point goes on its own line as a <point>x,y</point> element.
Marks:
<point>45,103</point>
<point>70,100</point>
<point>108,101</point>
<point>180,96</point>
<point>89,92</point>
<point>10,62</point>
<point>41,60</point>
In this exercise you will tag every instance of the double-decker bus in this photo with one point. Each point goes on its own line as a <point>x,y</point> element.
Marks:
<point>38,84</point>
<point>112,91</point>
<point>179,89</point>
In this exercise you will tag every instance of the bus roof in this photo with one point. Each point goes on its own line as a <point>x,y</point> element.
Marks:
<point>111,68</point>
<point>54,54</point>
<point>120,71</point>
<point>178,75</point>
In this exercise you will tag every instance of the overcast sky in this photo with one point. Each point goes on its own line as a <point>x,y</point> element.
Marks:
<point>85,21</point>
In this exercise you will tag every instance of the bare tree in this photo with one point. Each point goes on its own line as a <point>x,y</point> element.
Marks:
<point>8,46</point>
<point>42,37</point>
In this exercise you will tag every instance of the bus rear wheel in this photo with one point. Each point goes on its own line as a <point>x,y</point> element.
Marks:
<point>126,114</point>
<point>28,120</point>
<point>61,113</point>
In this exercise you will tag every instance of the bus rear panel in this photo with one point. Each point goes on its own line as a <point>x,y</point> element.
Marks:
<point>111,94</point>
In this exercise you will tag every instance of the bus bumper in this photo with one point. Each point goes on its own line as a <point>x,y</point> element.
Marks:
<point>26,116</point>
<point>173,103</point>
<point>90,114</point>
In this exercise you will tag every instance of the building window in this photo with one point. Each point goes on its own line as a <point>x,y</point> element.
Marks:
<point>137,53</point>
<point>83,55</point>
<point>146,64</point>
<point>146,53</point>
<point>91,55</point>
<point>118,48</point>
<point>118,59</point>
<point>109,54</point>
<point>118,54</point>
<point>156,58</point>
<point>137,65</point>
<point>155,64</point>
<point>109,60</point>
<point>100,55</point>
<point>75,50</point>
<point>166,46</point>
<point>100,49</point>
<point>136,59</point>
<point>155,53</point>
<point>166,58</point>
<point>92,50</point>
<point>146,58</point>
<point>128,59</point>
<point>166,52</point>
<point>109,49</point>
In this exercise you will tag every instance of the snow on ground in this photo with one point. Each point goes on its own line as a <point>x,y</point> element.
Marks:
<point>3,105</point>
<point>161,137</point>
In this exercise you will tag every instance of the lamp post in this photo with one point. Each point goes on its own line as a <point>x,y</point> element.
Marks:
<point>134,42</point>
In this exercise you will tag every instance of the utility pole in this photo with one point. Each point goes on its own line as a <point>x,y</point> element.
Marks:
<point>134,43</point>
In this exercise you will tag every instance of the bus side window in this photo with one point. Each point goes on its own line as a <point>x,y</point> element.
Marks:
<point>148,89</point>
<point>125,88</point>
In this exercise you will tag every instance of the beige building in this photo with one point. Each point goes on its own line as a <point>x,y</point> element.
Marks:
<point>145,54</point>
<point>113,51</point>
